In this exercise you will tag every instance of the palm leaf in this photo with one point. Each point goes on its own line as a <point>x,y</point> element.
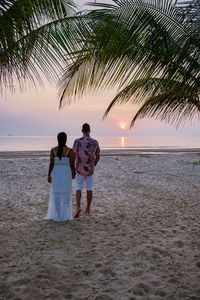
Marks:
<point>135,41</point>
<point>170,108</point>
<point>35,37</point>
<point>173,102</point>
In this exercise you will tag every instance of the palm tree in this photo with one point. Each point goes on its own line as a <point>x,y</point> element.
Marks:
<point>149,49</point>
<point>35,36</point>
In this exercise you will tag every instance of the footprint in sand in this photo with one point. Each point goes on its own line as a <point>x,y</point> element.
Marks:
<point>155,283</point>
<point>178,244</point>
<point>198,264</point>
<point>108,273</point>
<point>69,296</point>
<point>103,297</point>
<point>140,289</point>
<point>160,293</point>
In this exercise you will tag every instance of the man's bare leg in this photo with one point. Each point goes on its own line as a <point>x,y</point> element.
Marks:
<point>78,203</point>
<point>89,200</point>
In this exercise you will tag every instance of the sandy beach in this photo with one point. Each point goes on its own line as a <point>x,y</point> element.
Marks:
<point>141,241</point>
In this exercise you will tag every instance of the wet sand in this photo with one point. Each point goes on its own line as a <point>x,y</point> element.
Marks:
<point>141,241</point>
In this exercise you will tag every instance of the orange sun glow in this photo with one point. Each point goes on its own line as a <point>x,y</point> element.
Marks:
<point>123,126</point>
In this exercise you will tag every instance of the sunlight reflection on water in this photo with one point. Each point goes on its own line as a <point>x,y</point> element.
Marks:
<point>122,141</point>
<point>25,143</point>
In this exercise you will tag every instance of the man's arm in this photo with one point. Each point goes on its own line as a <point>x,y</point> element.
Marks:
<point>74,151</point>
<point>97,158</point>
<point>72,161</point>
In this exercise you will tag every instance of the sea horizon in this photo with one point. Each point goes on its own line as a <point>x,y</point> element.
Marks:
<point>45,143</point>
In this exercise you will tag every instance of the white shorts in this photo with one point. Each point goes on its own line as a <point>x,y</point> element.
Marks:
<point>80,179</point>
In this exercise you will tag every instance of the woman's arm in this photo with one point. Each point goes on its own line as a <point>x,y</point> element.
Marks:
<point>72,161</point>
<point>51,164</point>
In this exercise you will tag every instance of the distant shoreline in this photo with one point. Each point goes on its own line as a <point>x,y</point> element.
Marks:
<point>105,152</point>
<point>108,144</point>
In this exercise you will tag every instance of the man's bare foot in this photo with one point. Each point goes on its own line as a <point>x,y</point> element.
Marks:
<point>77,213</point>
<point>87,211</point>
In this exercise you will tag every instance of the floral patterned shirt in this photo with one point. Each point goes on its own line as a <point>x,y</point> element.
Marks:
<point>86,149</point>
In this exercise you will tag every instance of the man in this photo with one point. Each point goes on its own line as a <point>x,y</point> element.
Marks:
<point>87,154</point>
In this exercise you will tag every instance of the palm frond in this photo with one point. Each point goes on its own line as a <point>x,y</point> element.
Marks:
<point>170,108</point>
<point>172,102</point>
<point>132,42</point>
<point>35,38</point>
<point>190,13</point>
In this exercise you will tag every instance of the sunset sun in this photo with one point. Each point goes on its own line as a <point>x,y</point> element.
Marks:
<point>123,126</point>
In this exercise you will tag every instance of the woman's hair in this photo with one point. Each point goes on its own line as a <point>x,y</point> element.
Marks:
<point>62,138</point>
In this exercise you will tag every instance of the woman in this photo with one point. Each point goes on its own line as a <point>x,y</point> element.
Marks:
<point>62,169</point>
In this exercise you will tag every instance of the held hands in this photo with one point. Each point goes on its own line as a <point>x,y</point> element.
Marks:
<point>49,179</point>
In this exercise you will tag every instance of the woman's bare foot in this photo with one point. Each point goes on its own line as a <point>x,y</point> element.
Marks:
<point>77,213</point>
<point>87,211</point>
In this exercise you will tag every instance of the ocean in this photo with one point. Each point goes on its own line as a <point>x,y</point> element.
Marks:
<point>34,143</point>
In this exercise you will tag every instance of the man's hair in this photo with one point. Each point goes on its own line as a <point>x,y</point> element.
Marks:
<point>86,127</point>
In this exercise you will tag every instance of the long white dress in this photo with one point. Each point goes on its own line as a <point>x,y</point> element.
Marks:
<point>60,200</point>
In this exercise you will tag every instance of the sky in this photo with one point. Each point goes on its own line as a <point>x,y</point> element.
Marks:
<point>36,113</point>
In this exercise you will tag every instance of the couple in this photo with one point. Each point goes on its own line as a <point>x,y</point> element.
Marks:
<point>67,164</point>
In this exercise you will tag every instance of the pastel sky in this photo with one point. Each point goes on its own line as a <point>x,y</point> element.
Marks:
<point>36,113</point>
